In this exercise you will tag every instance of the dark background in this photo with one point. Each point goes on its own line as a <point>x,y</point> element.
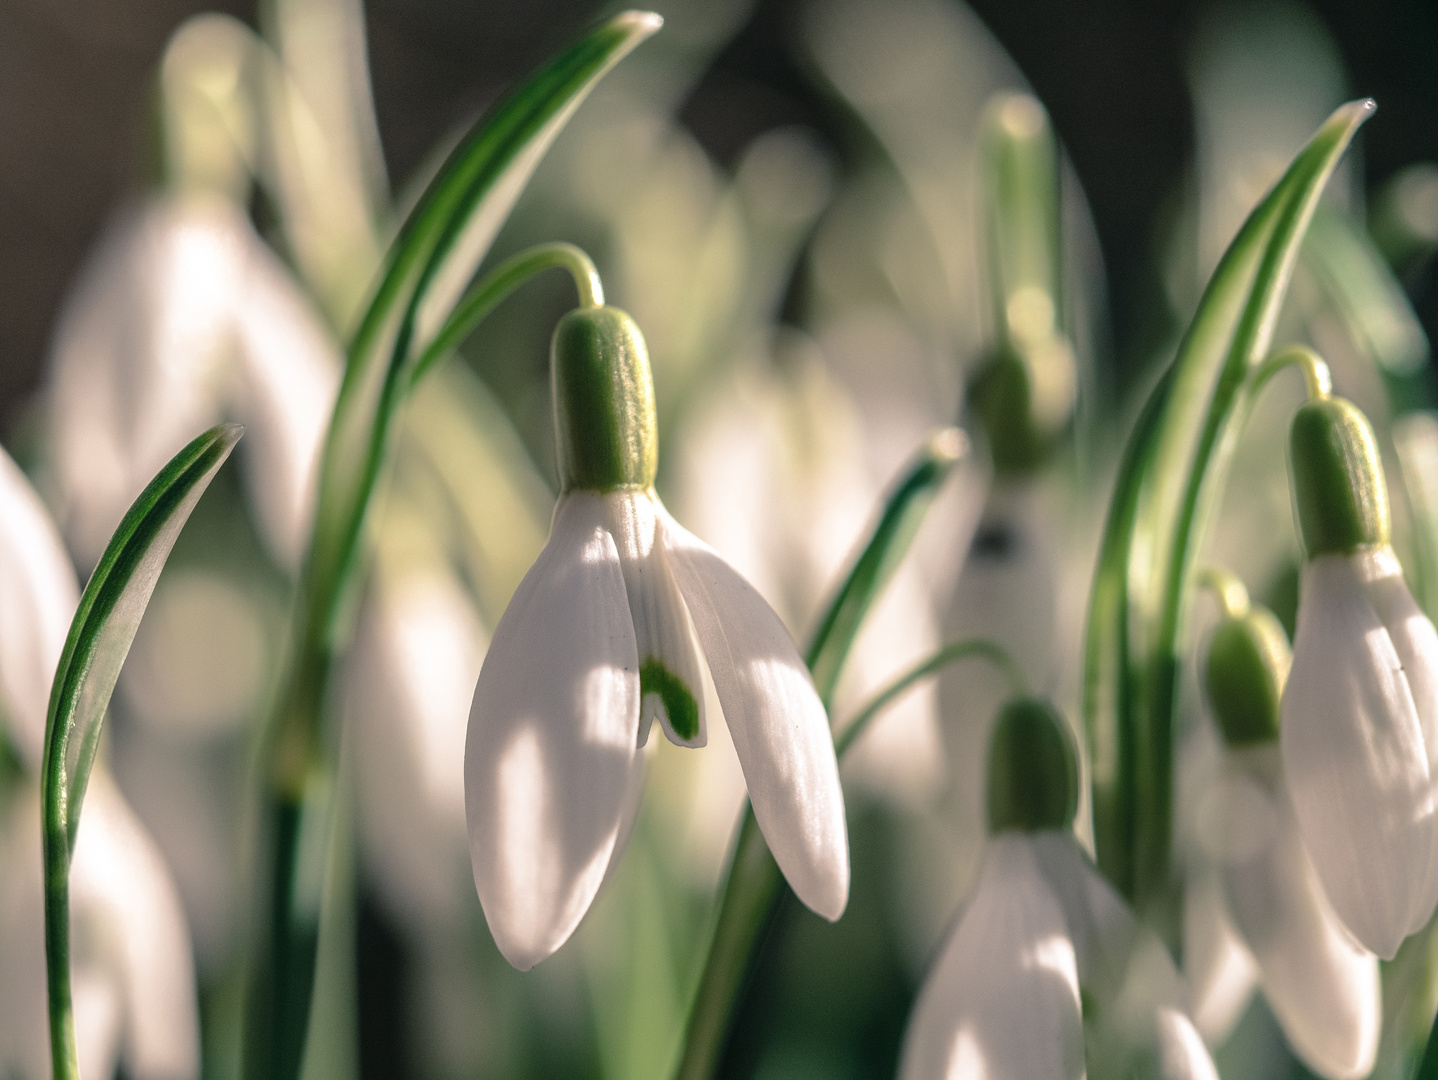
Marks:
<point>75,82</point>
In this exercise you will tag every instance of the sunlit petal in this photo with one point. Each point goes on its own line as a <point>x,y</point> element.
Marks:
<point>1355,761</point>
<point>40,595</point>
<point>1002,1001</point>
<point>551,758</point>
<point>774,715</point>
<point>1322,986</point>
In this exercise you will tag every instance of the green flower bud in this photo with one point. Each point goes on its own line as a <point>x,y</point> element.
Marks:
<point>1244,673</point>
<point>1024,396</point>
<point>1033,768</point>
<point>1339,495</point>
<point>603,402</point>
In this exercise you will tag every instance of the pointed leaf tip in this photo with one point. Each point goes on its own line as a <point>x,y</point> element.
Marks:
<point>643,23</point>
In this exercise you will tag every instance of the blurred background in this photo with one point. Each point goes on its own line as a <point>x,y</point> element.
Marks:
<point>76,81</point>
<point>786,195</point>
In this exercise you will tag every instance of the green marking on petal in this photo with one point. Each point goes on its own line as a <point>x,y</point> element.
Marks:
<point>679,703</point>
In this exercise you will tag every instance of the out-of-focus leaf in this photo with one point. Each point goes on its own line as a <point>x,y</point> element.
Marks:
<point>1365,295</point>
<point>1415,438</point>
<point>1171,474</point>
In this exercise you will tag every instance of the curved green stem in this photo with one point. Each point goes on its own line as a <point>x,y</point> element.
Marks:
<point>753,886</point>
<point>951,653</point>
<point>1316,379</point>
<point>486,295</point>
<point>1231,593</point>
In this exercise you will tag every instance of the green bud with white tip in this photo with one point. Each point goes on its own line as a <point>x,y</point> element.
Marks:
<point>1339,496</point>
<point>604,422</point>
<point>1033,768</point>
<point>1244,672</point>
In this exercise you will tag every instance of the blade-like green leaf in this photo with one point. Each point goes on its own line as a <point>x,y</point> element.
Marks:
<point>438,250</point>
<point>1172,474</point>
<point>100,636</point>
<point>753,887</point>
<point>903,514</point>
<point>109,614</point>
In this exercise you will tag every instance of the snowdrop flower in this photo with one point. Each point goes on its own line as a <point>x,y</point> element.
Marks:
<point>1041,927</point>
<point>612,629</point>
<point>183,318</point>
<point>132,969</point>
<point>1322,985</point>
<point>1359,743</point>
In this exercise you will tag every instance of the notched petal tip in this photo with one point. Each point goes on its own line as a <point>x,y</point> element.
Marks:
<point>552,767</point>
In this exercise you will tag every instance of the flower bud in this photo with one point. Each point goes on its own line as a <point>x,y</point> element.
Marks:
<point>1033,770</point>
<point>1339,495</point>
<point>603,402</point>
<point>1247,665</point>
<point>1024,396</point>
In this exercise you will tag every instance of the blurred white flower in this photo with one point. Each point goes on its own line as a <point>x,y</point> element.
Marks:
<point>132,968</point>
<point>184,317</point>
<point>1360,743</point>
<point>1003,999</point>
<point>602,637</point>
<point>1323,987</point>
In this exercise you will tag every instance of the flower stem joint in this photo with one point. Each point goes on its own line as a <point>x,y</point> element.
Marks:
<point>1033,769</point>
<point>1244,672</point>
<point>603,403</point>
<point>1339,496</point>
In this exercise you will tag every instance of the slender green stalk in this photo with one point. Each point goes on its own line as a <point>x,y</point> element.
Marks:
<point>1170,481</point>
<point>951,653</point>
<point>900,521</point>
<point>752,889</point>
<point>101,633</point>
<point>1231,593</point>
<point>484,297</point>
<point>428,270</point>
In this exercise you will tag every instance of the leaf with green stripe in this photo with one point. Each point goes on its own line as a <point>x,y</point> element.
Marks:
<point>438,250</point>
<point>1170,479</point>
<point>100,637</point>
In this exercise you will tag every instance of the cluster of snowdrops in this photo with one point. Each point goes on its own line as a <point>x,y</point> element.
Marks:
<point>1291,845</point>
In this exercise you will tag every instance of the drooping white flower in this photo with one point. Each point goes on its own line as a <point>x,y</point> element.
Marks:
<point>1322,986</point>
<point>132,969</point>
<point>183,318</point>
<point>1046,968</point>
<point>612,628</point>
<point>1360,710</point>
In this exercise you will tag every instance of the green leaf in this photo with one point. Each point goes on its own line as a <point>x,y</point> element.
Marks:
<point>1171,476</point>
<point>437,252</point>
<point>904,512</point>
<point>101,633</point>
<point>108,616</point>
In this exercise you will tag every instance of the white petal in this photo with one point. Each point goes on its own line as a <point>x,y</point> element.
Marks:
<point>119,878</point>
<point>1355,762</point>
<point>40,595</point>
<point>551,761</point>
<point>1220,971</point>
<point>669,666</point>
<point>1002,1001</point>
<point>775,718</point>
<point>139,357</point>
<point>1181,1053</point>
<point>1322,986</point>
<point>1416,643</point>
<point>132,975</point>
<point>289,376</point>
<point>410,677</point>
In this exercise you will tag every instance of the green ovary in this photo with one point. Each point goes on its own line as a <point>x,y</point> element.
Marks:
<point>679,703</point>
